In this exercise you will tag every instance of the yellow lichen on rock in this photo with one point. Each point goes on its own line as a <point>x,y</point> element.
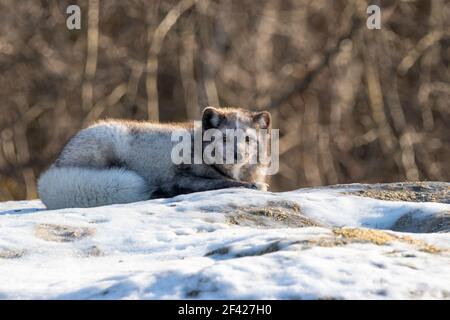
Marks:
<point>366,235</point>
<point>379,237</point>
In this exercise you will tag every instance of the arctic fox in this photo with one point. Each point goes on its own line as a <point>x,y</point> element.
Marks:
<point>117,161</point>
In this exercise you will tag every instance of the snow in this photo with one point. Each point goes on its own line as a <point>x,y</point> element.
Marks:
<point>186,248</point>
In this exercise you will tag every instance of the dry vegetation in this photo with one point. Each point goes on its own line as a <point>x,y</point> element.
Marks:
<point>353,105</point>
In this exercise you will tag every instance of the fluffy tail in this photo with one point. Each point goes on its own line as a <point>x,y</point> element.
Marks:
<point>71,187</point>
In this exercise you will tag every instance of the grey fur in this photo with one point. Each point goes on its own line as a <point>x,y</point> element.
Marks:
<point>125,161</point>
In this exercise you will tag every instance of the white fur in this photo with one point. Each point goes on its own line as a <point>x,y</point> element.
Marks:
<point>80,176</point>
<point>84,187</point>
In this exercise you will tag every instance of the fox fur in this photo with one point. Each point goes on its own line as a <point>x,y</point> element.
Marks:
<point>117,161</point>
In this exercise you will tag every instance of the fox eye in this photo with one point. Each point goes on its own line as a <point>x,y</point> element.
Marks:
<point>247,139</point>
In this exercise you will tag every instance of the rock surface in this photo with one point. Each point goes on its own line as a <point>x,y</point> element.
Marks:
<point>382,241</point>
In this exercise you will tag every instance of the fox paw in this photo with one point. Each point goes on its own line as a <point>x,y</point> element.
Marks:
<point>261,186</point>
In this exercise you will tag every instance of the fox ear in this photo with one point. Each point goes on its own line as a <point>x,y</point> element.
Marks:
<point>263,119</point>
<point>211,118</point>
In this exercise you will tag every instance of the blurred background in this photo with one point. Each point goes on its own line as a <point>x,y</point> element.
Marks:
<point>352,104</point>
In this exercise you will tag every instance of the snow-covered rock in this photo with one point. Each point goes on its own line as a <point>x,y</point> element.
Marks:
<point>324,243</point>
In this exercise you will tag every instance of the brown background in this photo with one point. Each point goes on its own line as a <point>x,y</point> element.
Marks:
<point>352,104</point>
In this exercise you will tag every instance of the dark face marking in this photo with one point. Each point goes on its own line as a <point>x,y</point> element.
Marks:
<point>223,119</point>
<point>160,193</point>
<point>115,163</point>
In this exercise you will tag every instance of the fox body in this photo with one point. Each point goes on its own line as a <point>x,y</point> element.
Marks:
<point>125,161</point>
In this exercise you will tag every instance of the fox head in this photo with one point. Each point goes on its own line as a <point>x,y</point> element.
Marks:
<point>234,140</point>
